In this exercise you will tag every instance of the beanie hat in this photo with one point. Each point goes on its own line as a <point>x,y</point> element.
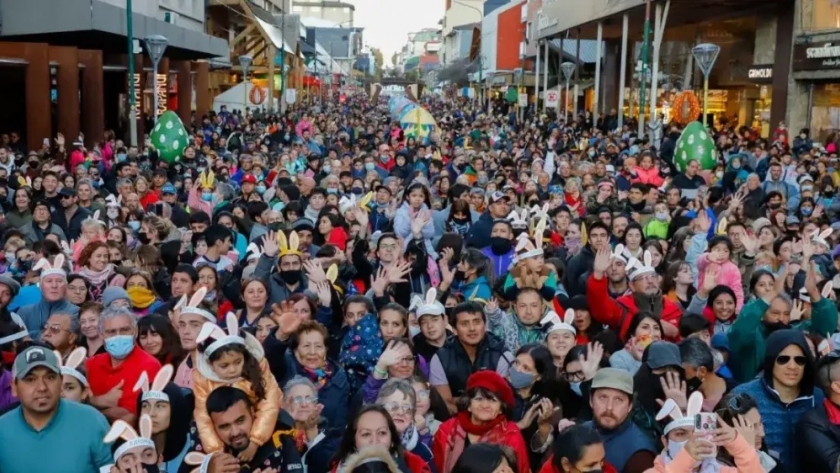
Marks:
<point>493,382</point>
<point>114,293</point>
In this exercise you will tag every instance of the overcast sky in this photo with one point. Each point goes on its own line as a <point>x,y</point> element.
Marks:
<point>388,22</point>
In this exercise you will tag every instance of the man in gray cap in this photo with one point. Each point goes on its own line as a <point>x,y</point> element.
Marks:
<point>74,431</point>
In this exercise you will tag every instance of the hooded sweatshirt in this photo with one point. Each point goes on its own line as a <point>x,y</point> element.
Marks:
<point>178,437</point>
<point>779,418</point>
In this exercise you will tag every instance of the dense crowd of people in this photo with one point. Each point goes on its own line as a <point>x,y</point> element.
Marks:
<point>318,291</point>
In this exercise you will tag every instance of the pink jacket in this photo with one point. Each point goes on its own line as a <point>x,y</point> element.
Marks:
<point>195,202</point>
<point>648,176</point>
<point>730,276</point>
<point>744,454</point>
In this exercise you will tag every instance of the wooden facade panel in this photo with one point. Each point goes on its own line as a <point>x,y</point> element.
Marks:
<point>67,76</point>
<point>93,103</point>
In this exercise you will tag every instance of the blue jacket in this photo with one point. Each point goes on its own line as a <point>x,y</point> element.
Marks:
<point>35,315</point>
<point>779,418</point>
<point>501,263</point>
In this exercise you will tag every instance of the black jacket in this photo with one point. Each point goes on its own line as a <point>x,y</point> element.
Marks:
<point>457,366</point>
<point>818,442</point>
<point>72,229</point>
<point>479,234</point>
<point>576,269</point>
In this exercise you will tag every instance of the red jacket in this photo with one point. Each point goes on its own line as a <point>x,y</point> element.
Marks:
<point>415,464</point>
<point>617,313</point>
<point>548,467</point>
<point>506,433</point>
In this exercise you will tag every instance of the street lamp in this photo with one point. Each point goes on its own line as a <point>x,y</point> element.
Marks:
<point>568,69</point>
<point>245,63</point>
<point>705,54</point>
<point>155,46</point>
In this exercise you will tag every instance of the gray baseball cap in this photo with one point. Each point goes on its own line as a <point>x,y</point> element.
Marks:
<point>34,357</point>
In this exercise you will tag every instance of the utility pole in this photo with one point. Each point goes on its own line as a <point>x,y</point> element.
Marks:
<point>282,62</point>
<point>643,78</point>
<point>132,104</point>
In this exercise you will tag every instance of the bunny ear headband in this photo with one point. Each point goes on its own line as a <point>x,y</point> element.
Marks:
<point>516,221</point>
<point>346,203</point>
<point>211,330</point>
<point>554,323</point>
<point>192,307</point>
<point>290,246</point>
<point>640,269</point>
<point>620,253</point>
<point>162,378</point>
<point>75,359</point>
<point>670,409</point>
<point>253,251</point>
<point>207,180</point>
<point>201,461</point>
<point>429,306</point>
<point>22,333</point>
<point>121,430</point>
<point>820,237</point>
<point>722,225</point>
<point>54,269</point>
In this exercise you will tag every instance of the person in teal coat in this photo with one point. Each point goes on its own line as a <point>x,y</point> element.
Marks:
<point>758,319</point>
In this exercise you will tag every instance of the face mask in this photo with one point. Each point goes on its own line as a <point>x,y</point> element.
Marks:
<point>592,154</point>
<point>358,190</point>
<point>385,158</point>
<point>134,225</point>
<point>112,213</point>
<point>775,205</point>
<point>806,210</point>
<point>482,181</point>
<point>675,447</point>
<point>332,191</point>
<point>500,246</point>
<point>828,192</point>
<point>326,169</point>
<point>662,216</point>
<point>207,196</point>
<point>413,331</point>
<point>772,327</point>
<point>260,190</point>
<point>119,346</point>
<point>736,165</point>
<point>519,379</point>
<point>143,237</point>
<point>719,174</point>
<point>370,166</point>
<point>693,384</point>
<point>290,277</point>
<point>275,226</point>
<point>120,157</point>
<point>576,388</point>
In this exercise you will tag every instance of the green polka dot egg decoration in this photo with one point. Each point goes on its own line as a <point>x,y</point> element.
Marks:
<point>695,143</point>
<point>169,137</point>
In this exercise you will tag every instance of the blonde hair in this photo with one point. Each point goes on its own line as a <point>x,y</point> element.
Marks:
<point>163,227</point>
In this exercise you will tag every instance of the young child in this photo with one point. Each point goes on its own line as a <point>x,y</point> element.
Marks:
<point>93,229</point>
<point>720,250</point>
<point>234,359</point>
<point>658,226</point>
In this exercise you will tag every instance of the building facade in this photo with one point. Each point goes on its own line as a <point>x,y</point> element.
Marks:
<point>338,12</point>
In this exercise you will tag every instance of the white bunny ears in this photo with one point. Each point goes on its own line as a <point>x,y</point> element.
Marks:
<point>112,201</point>
<point>670,409</point>
<point>826,292</point>
<point>525,248</point>
<point>347,203</point>
<point>554,323</point>
<point>640,269</point>
<point>201,461</point>
<point>620,253</point>
<point>518,221</point>
<point>121,430</point>
<point>162,378</point>
<point>252,252</point>
<point>93,219</point>
<point>192,306</point>
<point>429,306</point>
<point>820,237</point>
<point>75,359</point>
<point>54,269</point>
<point>211,330</point>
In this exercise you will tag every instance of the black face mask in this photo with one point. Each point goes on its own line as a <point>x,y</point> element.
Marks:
<point>144,238</point>
<point>774,205</point>
<point>291,277</point>
<point>459,275</point>
<point>275,226</point>
<point>828,193</point>
<point>693,384</point>
<point>500,246</point>
<point>773,326</point>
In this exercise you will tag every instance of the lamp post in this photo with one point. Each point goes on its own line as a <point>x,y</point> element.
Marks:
<point>568,69</point>
<point>705,54</point>
<point>155,46</point>
<point>132,103</point>
<point>245,63</point>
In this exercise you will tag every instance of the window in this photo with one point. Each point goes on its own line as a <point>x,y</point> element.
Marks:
<point>826,15</point>
<point>297,9</point>
<point>825,115</point>
<point>316,10</point>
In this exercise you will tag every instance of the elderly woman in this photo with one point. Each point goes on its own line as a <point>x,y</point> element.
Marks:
<point>89,325</point>
<point>316,444</point>
<point>95,266</point>
<point>398,397</point>
<point>484,417</point>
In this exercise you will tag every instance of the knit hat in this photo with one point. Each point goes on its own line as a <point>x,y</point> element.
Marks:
<point>493,382</point>
<point>112,294</point>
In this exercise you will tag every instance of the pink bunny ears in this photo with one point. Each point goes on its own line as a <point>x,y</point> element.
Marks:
<point>429,306</point>
<point>155,392</point>
<point>75,359</point>
<point>121,430</point>
<point>211,330</point>
<point>670,409</point>
<point>54,269</point>
<point>192,306</point>
<point>554,323</point>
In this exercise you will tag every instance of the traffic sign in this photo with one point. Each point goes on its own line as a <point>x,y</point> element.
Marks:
<point>552,99</point>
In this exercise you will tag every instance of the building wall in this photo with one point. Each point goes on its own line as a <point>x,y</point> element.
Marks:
<point>462,12</point>
<point>510,33</point>
<point>190,12</point>
<point>342,15</point>
<point>489,31</point>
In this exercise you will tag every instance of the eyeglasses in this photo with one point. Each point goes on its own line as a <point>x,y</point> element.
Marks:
<point>388,247</point>
<point>409,360</point>
<point>54,329</point>
<point>395,408</point>
<point>299,400</point>
<point>423,394</point>
<point>573,376</point>
<point>782,360</point>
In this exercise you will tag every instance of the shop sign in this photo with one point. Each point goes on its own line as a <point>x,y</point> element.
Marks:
<point>163,92</point>
<point>816,56</point>
<point>544,21</point>
<point>760,73</point>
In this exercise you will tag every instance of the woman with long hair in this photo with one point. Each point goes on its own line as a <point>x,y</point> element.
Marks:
<point>413,219</point>
<point>254,294</point>
<point>477,275</point>
<point>208,278</point>
<point>460,218</point>
<point>92,339</point>
<point>78,289</point>
<point>141,292</point>
<point>95,266</point>
<point>678,283</point>
<point>21,214</point>
<point>397,396</point>
<point>578,449</point>
<point>157,337</point>
<point>486,458</point>
<point>644,329</point>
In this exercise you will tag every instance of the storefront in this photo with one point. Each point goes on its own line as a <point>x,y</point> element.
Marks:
<point>817,64</point>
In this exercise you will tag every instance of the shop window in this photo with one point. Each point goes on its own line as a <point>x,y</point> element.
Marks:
<point>825,113</point>
<point>826,15</point>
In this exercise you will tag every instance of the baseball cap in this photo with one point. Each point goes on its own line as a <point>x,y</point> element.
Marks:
<point>67,192</point>
<point>610,168</point>
<point>168,189</point>
<point>384,188</point>
<point>34,357</point>
<point>497,196</point>
<point>760,223</point>
<point>249,179</point>
<point>661,354</point>
<point>613,378</point>
<point>792,220</point>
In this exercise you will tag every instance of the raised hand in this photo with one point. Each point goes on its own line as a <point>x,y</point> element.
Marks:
<point>797,310</point>
<point>284,316</point>
<point>699,448</point>
<point>675,389</point>
<point>750,244</point>
<point>590,363</point>
<point>418,223</point>
<point>703,222</point>
<point>324,292</point>
<point>380,283</point>
<point>392,355</point>
<point>602,262</point>
<point>808,250</point>
<point>710,279</point>
<point>398,271</point>
<point>270,246</point>
<point>724,434</point>
<point>491,305</point>
<point>744,428</point>
<point>314,271</point>
<point>447,254</point>
<point>547,410</point>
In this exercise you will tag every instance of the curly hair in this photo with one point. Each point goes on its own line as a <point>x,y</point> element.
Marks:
<point>87,251</point>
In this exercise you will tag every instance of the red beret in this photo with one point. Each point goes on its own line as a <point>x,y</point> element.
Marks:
<point>493,382</point>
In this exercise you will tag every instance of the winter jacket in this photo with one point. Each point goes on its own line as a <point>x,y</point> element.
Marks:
<point>278,290</point>
<point>32,236</point>
<point>402,227</point>
<point>729,276</point>
<point>512,331</point>
<point>501,263</point>
<point>458,367</point>
<point>780,418</point>
<point>748,336</point>
<point>647,176</point>
<point>817,441</point>
<point>477,289</point>
<point>576,269</point>
<point>618,313</point>
<point>34,316</point>
<point>479,234</point>
<point>450,434</point>
<point>744,454</point>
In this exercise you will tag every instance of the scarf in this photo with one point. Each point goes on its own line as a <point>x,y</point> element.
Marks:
<point>832,411</point>
<point>466,423</point>
<point>141,298</point>
<point>410,437</point>
<point>97,278</point>
<point>319,376</point>
<point>455,442</point>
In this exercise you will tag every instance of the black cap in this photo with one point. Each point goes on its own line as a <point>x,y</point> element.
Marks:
<point>385,188</point>
<point>67,192</point>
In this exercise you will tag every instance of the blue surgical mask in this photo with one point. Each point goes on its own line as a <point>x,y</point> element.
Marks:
<point>370,166</point>
<point>675,447</point>
<point>134,225</point>
<point>662,216</point>
<point>576,388</point>
<point>385,158</point>
<point>520,379</point>
<point>207,196</point>
<point>806,210</point>
<point>120,157</point>
<point>119,346</point>
<point>327,169</point>
<point>260,190</point>
<point>357,190</point>
<point>330,190</point>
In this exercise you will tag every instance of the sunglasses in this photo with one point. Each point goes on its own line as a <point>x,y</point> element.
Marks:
<point>782,360</point>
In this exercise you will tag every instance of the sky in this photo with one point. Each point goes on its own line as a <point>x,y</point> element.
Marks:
<point>388,22</point>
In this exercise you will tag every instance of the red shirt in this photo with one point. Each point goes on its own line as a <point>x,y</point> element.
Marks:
<point>102,376</point>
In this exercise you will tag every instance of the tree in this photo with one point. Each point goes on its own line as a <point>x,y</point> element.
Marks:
<point>377,56</point>
<point>394,59</point>
<point>457,72</point>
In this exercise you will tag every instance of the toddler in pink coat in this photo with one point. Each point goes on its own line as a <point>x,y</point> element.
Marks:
<point>720,251</point>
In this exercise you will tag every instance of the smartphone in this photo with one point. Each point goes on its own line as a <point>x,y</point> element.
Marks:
<point>705,424</point>
<point>46,142</point>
